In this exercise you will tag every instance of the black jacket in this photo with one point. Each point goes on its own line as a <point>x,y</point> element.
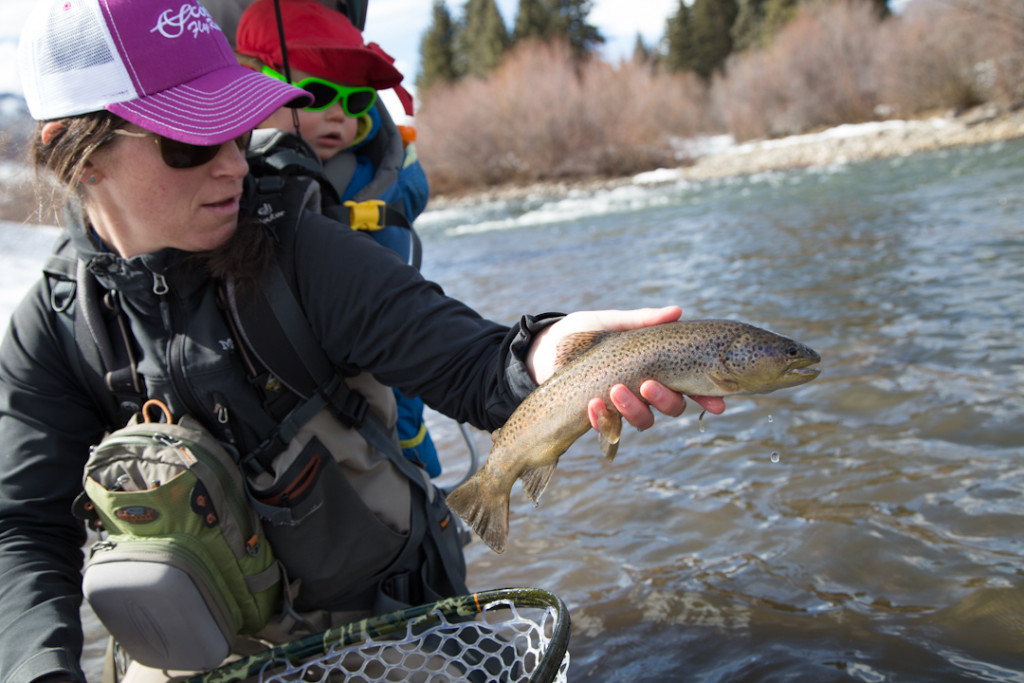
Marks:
<point>371,313</point>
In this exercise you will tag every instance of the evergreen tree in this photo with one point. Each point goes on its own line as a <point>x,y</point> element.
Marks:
<point>680,54</point>
<point>777,13</point>
<point>712,22</point>
<point>748,29</point>
<point>437,59</point>
<point>641,53</point>
<point>882,7</point>
<point>567,19</point>
<point>534,19</point>
<point>482,38</point>
<point>571,22</point>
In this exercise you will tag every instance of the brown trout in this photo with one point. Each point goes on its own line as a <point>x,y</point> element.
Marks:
<point>694,357</point>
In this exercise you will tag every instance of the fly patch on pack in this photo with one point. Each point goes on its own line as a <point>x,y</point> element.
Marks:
<point>182,566</point>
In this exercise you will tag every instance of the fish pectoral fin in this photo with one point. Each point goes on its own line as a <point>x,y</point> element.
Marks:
<point>609,448</point>
<point>609,427</point>
<point>536,480</point>
<point>729,386</point>
<point>495,434</point>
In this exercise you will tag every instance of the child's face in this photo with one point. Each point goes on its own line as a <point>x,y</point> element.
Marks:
<point>329,131</point>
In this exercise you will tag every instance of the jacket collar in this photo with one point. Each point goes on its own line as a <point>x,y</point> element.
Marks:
<point>128,275</point>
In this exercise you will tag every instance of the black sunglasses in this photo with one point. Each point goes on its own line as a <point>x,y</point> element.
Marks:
<point>182,155</point>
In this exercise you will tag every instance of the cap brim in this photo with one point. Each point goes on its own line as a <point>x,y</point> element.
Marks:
<point>216,107</point>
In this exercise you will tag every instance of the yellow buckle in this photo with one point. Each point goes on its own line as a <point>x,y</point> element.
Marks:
<point>368,215</point>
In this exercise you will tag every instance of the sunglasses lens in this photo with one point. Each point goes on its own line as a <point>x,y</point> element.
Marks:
<point>359,102</point>
<point>323,94</point>
<point>242,141</point>
<point>184,155</point>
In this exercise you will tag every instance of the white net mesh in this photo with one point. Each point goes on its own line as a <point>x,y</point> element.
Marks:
<point>507,634</point>
<point>504,643</point>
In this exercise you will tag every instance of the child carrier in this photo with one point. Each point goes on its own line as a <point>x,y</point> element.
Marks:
<point>276,158</point>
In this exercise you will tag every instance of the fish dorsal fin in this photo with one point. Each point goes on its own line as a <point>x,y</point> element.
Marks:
<point>575,345</point>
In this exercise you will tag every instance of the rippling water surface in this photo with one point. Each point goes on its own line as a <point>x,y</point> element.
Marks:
<point>883,542</point>
<point>886,541</point>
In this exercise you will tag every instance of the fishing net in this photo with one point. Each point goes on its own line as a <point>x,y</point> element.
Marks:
<point>515,635</point>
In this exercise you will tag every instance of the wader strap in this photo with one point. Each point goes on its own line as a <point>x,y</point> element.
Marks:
<point>349,406</point>
<point>293,322</point>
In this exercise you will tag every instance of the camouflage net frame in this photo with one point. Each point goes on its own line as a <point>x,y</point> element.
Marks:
<point>512,634</point>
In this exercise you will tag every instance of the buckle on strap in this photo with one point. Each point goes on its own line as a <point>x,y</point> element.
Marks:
<point>368,215</point>
<point>350,407</point>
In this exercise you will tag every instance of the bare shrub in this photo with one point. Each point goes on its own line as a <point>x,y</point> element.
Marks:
<point>819,71</point>
<point>953,53</point>
<point>544,116</point>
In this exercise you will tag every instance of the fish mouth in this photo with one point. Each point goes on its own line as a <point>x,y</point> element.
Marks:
<point>800,370</point>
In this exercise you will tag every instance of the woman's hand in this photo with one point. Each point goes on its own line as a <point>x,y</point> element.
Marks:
<point>635,409</point>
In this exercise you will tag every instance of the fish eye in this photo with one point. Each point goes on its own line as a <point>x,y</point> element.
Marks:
<point>792,352</point>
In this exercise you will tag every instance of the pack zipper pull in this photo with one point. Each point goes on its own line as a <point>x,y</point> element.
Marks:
<point>160,284</point>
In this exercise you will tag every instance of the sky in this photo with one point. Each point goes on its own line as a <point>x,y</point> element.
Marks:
<point>397,25</point>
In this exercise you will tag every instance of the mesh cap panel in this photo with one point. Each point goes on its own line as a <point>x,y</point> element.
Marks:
<point>67,64</point>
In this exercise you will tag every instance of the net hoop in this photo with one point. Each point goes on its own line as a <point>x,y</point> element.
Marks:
<point>443,619</point>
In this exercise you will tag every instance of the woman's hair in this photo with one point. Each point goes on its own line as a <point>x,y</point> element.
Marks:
<point>245,256</point>
<point>62,158</point>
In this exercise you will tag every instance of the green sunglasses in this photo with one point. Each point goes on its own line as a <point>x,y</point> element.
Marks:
<point>355,100</point>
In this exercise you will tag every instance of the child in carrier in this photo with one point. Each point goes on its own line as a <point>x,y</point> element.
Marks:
<point>364,154</point>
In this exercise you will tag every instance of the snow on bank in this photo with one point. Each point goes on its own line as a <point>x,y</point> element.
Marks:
<point>23,250</point>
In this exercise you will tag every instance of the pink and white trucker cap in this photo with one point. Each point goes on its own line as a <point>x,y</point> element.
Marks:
<point>164,65</point>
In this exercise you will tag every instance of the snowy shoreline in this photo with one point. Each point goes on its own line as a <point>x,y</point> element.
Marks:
<point>719,156</point>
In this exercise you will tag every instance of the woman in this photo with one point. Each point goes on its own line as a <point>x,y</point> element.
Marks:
<point>143,114</point>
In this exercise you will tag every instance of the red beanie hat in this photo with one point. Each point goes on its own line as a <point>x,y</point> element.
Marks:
<point>320,41</point>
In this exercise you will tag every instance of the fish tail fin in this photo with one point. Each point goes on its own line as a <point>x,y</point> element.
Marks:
<point>536,480</point>
<point>484,509</point>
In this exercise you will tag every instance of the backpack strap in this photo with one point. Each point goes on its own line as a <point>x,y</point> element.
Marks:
<point>278,157</point>
<point>275,329</point>
<point>106,361</point>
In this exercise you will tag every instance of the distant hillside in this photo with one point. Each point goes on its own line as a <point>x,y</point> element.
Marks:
<point>16,126</point>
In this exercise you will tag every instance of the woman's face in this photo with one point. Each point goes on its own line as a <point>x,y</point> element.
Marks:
<point>138,204</point>
<point>328,131</point>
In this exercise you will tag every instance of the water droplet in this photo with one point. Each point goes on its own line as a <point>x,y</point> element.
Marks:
<point>700,421</point>
<point>775,456</point>
<point>769,418</point>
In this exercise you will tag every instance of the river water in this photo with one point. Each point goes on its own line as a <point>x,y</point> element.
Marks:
<point>867,526</point>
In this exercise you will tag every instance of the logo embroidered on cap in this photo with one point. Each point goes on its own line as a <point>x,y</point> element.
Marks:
<point>190,17</point>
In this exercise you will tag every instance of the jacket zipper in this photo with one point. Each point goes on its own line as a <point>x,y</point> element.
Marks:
<point>170,314</point>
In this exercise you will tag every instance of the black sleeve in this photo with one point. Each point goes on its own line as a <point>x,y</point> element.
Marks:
<point>46,425</point>
<point>373,313</point>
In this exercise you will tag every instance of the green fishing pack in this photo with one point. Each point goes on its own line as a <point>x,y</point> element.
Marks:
<point>183,565</point>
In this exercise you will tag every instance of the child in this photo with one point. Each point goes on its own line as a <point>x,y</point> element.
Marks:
<point>364,154</point>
